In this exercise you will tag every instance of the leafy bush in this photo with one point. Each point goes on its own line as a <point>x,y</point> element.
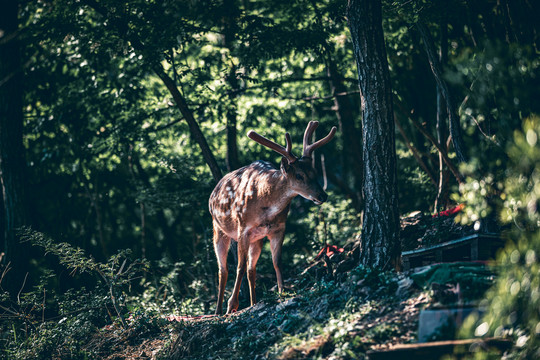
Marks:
<point>514,302</point>
<point>44,323</point>
<point>335,222</point>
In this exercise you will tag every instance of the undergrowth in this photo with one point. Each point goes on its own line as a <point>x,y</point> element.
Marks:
<point>123,305</point>
<point>316,321</point>
<point>43,322</point>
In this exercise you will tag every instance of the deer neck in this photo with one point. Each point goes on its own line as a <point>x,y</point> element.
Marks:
<point>277,188</point>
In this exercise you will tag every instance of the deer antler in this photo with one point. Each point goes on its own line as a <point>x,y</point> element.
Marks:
<point>286,152</point>
<point>309,149</point>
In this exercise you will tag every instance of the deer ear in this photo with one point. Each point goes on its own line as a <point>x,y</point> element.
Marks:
<point>285,165</point>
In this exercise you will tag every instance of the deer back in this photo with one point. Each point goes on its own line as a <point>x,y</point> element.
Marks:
<point>249,197</point>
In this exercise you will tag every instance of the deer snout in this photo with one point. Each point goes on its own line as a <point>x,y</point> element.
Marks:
<point>320,198</point>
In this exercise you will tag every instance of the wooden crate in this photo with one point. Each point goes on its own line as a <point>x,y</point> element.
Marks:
<point>469,248</point>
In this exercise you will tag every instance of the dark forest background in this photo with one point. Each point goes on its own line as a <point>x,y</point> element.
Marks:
<point>118,117</point>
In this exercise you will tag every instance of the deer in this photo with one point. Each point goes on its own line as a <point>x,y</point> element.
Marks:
<point>252,203</point>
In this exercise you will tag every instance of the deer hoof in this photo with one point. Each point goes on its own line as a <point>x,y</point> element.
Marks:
<point>232,308</point>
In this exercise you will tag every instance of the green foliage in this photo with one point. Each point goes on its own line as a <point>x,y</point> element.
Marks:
<point>415,186</point>
<point>79,313</point>
<point>42,323</point>
<point>335,222</point>
<point>513,303</point>
<point>498,98</point>
<point>383,281</point>
<point>330,313</point>
<point>162,295</point>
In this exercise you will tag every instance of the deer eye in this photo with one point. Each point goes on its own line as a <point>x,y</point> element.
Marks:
<point>299,177</point>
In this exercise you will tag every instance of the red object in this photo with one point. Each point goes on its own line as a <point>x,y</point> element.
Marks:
<point>330,250</point>
<point>451,211</point>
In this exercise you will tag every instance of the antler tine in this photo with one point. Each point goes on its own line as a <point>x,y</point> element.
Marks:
<point>312,125</point>
<point>289,144</point>
<point>309,149</point>
<point>286,152</point>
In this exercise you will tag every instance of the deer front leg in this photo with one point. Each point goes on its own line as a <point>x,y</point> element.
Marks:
<point>276,242</point>
<point>243,248</point>
<point>253,256</point>
<point>221,247</point>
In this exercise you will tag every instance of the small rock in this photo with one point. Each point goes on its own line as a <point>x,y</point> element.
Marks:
<point>290,303</point>
<point>404,286</point>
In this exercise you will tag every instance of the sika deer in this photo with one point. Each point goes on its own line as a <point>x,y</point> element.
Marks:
<point>251,203</point>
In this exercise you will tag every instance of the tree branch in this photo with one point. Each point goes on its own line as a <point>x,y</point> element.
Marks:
<point>435,65</point>
<point>414,151</point>
<point>311,98</point>
<point>121,27</point>
<point>447,160</point>
<point>272,83</point>
<point>192,123</point>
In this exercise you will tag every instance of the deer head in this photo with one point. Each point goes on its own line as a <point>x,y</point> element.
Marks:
<point>299,172</point>
<point>253,202</point>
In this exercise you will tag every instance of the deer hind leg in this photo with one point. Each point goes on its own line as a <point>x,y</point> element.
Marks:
<point>243,248</point>
<point>221,247</point>
<point>276,243</point>
<point>255,249</point>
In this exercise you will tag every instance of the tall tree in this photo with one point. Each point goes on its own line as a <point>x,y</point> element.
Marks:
<point>11,146</point>
<point>380,231</point>
<point>442,198</point>
<point>231,12</point>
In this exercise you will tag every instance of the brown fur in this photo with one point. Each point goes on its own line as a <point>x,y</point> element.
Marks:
<point>253,202</point>
<point>250,204</point>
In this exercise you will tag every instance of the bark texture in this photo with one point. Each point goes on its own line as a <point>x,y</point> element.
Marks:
<point>380,232</point>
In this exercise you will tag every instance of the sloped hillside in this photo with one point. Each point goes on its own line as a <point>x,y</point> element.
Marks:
<point>342,314</point>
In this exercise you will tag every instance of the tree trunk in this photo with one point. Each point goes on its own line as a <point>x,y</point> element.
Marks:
<point>453,120</point>
<point>380,232</point>
<point>442,200</point>
<point>232,147</point>
<point>231,12</point>
<point>12,163</point>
